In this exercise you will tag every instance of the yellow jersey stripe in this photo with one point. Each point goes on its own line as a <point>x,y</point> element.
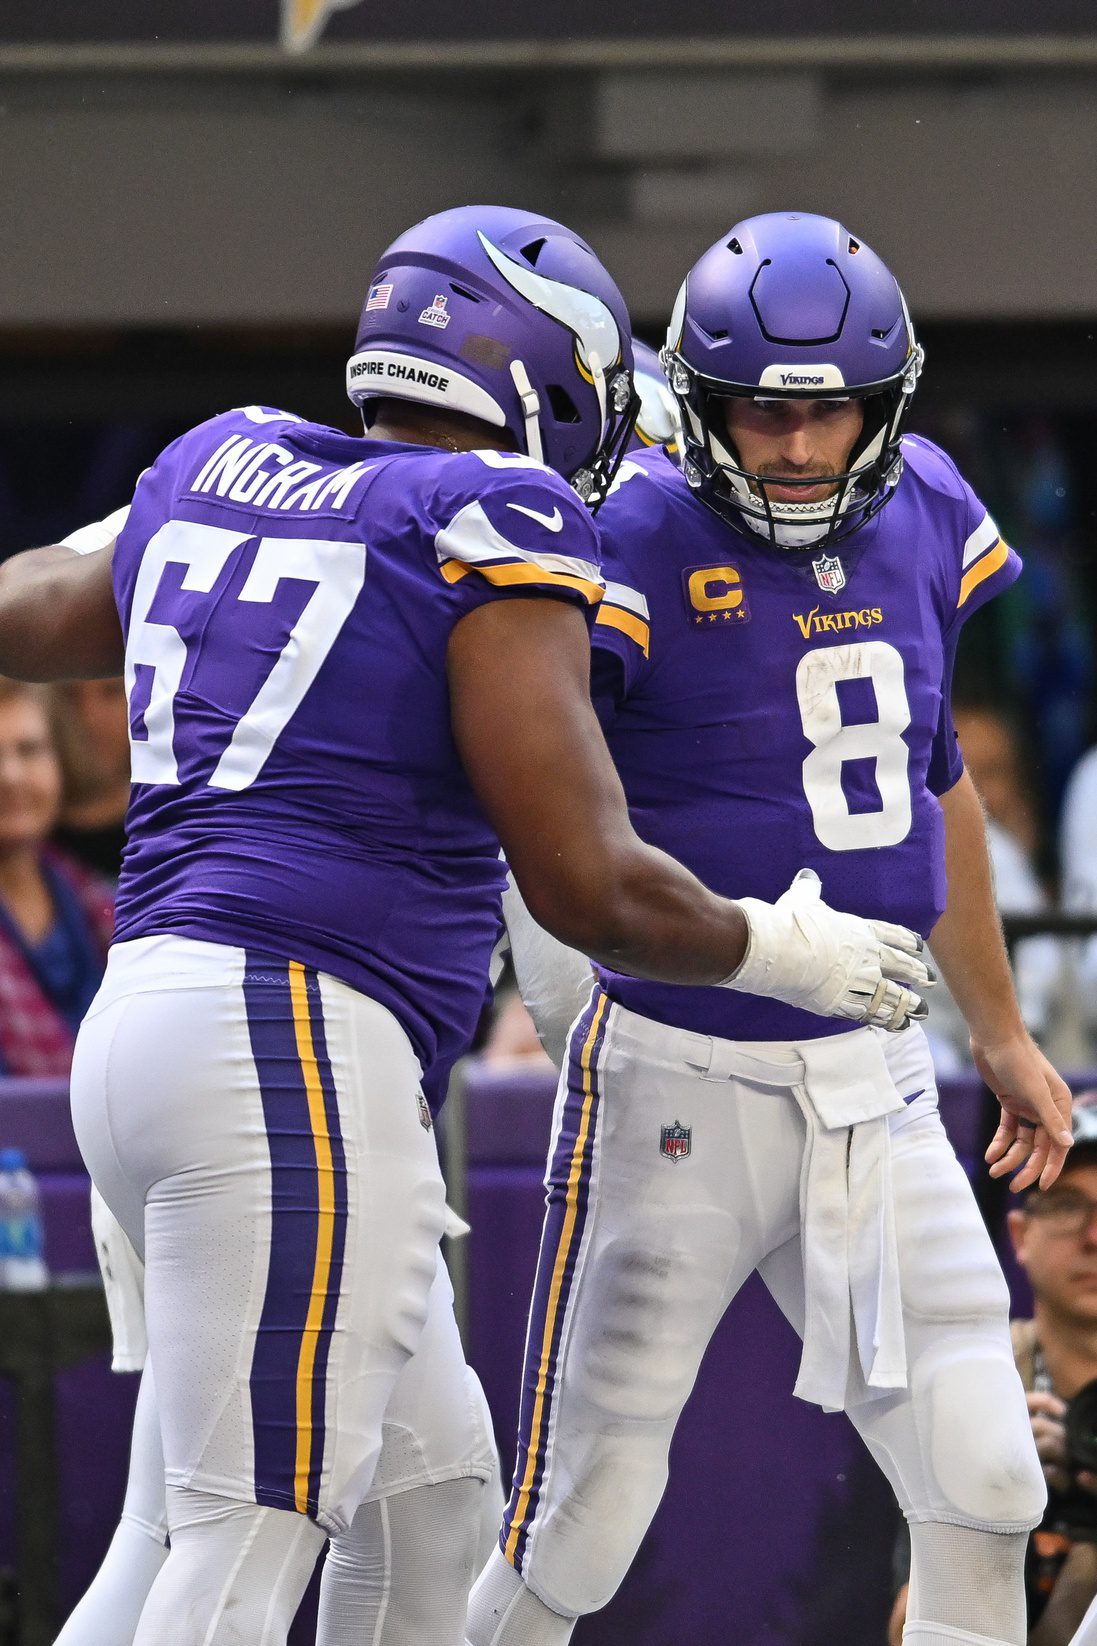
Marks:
<point>562,1253</point>
<point>982,569</point>
<point>511,573</point>
<point>324,1233</point>
<point>454,570</point>
<point>612,617</point>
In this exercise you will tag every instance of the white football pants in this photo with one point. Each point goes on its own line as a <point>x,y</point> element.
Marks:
<point>257,1130</point>
<point>679,1164</point>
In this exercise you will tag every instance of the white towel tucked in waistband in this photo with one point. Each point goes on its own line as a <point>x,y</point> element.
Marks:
<point>845,1091</point>
<point>847,1210</point>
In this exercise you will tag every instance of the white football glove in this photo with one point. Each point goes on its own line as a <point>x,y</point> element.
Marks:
<point>809,955</point>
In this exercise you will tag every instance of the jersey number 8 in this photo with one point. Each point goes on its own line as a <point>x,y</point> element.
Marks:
<point>881,740</point>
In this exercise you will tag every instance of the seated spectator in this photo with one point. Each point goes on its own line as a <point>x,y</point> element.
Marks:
<point>55,918</point>
<point>992,754</point>
<point>91,730</point>
<point>1054,1237</point>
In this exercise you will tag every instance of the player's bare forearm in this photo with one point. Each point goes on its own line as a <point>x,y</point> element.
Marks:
<point>58,619</point>
<point>535,754</point>
<point>1034,1135</point>
<point>967,941</point>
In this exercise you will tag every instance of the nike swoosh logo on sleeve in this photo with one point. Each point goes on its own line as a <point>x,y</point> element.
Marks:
<point>553,522</point>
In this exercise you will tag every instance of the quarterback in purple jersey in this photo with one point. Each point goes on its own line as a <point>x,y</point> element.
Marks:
<point>355,667</point>
<point>772,665</point>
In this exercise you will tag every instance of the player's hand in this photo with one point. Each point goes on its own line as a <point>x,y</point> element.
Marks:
<point>1033,1136</point>
<point>804,952</point>
<point>1046,1412</point>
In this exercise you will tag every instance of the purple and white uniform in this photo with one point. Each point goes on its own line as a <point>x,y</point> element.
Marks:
<point>766,710</point>
<point>761,723</point>
<point>308,904</point>
<point>288,593</point>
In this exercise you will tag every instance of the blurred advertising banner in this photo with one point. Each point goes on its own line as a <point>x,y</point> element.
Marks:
<point>302,23</point>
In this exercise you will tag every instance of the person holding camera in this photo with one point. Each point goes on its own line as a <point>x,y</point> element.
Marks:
<point>1054,1236</point>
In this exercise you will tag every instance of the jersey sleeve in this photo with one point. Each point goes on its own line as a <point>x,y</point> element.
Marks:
<point>622,628</point>
<point>984,564</point>
<point>513,527</point>
<point>946,762</point>
<point>622,633</point>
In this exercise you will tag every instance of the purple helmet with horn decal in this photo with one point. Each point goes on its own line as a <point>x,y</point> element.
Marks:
<point>507,317</point>
<point>792,305</point>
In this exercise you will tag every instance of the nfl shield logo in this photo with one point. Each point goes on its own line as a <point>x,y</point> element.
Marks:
<point>674,1141</point>
<point>437,314</point>
<point>829,574</point>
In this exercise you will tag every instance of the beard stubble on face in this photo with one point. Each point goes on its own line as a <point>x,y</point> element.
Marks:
<point>777,484</point>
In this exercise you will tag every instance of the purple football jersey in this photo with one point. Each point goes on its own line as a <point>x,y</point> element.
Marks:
<point>769,710</point>
<point>287,594</point>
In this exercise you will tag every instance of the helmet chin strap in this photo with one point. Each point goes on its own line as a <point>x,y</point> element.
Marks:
<point>531,410</point>
<point>813,525</point>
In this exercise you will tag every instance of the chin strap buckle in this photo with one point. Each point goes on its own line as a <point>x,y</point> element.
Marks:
<point>531,410</point>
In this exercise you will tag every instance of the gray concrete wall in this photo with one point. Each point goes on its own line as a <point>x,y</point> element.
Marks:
<point>137,199</point>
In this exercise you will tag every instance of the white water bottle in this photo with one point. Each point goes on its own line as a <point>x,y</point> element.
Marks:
<point>22,1236</point>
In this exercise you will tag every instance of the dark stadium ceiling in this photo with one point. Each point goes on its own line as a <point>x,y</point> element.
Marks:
<point>437,22</point>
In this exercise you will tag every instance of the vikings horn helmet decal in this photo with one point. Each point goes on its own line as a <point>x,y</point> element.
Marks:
<point>792,305</point>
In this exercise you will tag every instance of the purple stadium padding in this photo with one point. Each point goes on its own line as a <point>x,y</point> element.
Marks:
<point>510,1114</point>
<point>94,1407</point>
<point>961,1103</point>
<point>34,1117</point>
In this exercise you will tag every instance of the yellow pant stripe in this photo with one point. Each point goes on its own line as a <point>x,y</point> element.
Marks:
<point>562,1252</point>
<point>324,1233</point>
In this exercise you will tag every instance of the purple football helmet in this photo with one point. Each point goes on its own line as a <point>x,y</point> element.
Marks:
<point>509,318</point>
<point>792,305</point>
<point>658,422</point>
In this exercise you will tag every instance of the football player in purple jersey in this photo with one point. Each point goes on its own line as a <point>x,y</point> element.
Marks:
<point>355,666</point>
<point>772,664</point>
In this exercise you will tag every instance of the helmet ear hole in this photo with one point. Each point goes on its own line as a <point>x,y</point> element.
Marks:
<point>563,407</point>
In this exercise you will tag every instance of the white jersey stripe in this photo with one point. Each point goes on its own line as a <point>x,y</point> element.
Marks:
<point>981,538</point>
<point>471,538</point>
<point>631,600</point>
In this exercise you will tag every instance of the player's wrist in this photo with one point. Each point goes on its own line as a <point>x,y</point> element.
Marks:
<point>755,970</point>
<point>996,1035</point>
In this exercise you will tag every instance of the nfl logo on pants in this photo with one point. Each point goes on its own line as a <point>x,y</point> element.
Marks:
<point>674,1141</point>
